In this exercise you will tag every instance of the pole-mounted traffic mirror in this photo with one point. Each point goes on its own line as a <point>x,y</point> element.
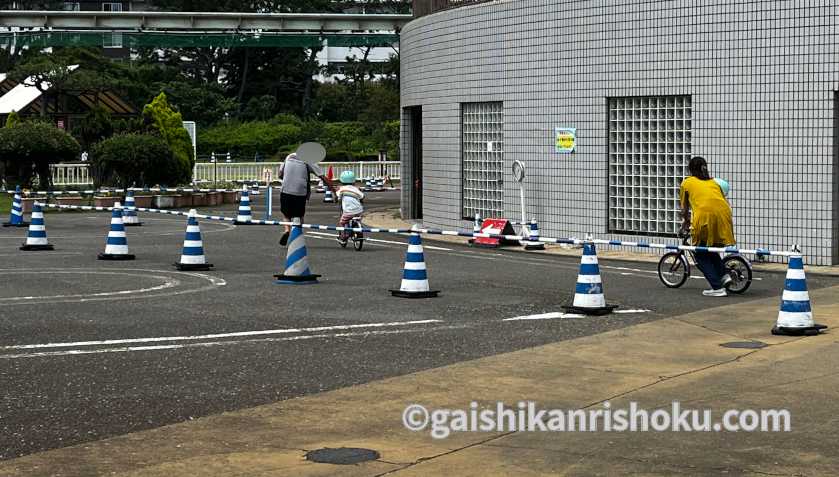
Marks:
<point>518,170</point>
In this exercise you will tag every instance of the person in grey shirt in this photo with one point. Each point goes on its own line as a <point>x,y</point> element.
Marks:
<point>296,189</point>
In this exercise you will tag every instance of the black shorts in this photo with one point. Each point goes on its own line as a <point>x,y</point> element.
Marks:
<point>293,205</point>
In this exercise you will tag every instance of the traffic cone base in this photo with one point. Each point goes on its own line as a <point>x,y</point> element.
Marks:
<point>805,331</point>
<point>37,247</point>
<point>193,267</point>
<point>296,279</point>
<point>19,224</point>
<point>416,294</point>
<point>118,256</point>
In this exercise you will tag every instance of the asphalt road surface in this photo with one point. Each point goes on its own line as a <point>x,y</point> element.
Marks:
<point>91,349</point>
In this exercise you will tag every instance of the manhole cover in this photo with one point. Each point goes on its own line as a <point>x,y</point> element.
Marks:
<point>744,344</point>
<point>342,456</point>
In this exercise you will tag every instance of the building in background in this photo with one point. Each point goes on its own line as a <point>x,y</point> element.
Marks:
<point>605,103</point>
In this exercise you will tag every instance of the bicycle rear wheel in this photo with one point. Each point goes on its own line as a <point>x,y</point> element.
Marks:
<point>673,269</point>
<point>740,272</point>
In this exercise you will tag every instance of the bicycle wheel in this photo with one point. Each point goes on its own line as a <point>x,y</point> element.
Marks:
<point>740,272</point>
<point>358,242</point>
<point>673,269</point>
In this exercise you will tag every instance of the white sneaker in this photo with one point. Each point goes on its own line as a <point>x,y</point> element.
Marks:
<point>720,292</point>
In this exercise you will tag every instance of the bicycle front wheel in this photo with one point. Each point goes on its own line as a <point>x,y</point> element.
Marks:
<point>673,269</point>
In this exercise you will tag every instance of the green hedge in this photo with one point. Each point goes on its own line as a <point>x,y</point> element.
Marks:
<point>136,159</point>
<point>244,140</point>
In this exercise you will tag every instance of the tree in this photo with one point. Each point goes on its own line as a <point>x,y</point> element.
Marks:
<point>46,73</point>
<point>204,104</point>
<point>94,127</point>
<point>128,159</point>
<point>29,148</point>
<point>13,119</point>
<point>169,124</point>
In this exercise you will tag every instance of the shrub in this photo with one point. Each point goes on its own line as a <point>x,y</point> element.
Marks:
<point>244,140</point>
<point>30,147</point>
<point>128,159</point>
<point>170,126</point>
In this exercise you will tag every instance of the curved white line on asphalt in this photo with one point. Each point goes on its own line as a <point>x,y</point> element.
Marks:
<point>223,335</point>
<point>170,283</point>
<point>207,344</point>
<point>556,315</point>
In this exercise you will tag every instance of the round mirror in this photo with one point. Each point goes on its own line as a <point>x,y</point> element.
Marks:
<point>518,170</point>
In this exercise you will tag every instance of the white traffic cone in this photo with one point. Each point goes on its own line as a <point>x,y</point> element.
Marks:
<point>795,318</point>
<point>129,215</point>
<point>476,227</point>
<point>588,294</point>
<point>16,215</point>
<point>414,274</point>
<point>297,270</point>
<point>116,247</point>
<point>328,197</point>
<point>245,216</point>
<point>192,257</point>
<point>532,232</point>
<point>36,237</point>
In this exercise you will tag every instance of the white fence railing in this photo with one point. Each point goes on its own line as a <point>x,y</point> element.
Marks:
<point>79,174</point>
<point>254,171</point>
<point>70,174</point>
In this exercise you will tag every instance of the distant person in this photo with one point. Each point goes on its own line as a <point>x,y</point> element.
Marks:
<point>706,213</point>
<point>351,199</point>
<point>84,156</point>
<point>296,189</point>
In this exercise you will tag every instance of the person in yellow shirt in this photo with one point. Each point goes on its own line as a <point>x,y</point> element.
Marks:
<point>707,214</point>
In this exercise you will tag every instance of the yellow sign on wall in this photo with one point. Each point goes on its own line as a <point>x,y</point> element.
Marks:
<point>566,140</point>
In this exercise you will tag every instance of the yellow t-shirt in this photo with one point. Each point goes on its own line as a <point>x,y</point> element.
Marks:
<point>710,213</point>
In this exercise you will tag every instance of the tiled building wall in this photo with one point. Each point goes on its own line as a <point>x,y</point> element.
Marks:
<point>761,76</point>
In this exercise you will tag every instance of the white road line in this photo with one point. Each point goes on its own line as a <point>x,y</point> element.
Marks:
<point>221,335</point>
<point>218,343</point>
<point>556,315</point>
<point>43,253</point>
<point>545,316</point>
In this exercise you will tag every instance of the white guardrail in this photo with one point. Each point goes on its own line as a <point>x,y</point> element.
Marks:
<point>255,171</point>
<point>79,174</point>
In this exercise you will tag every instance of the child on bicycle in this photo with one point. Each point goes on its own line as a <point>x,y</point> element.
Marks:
<point>350,197</point>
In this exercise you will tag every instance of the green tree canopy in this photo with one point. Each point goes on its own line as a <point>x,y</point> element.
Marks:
<point>29,148</point>
<point>128,159</point>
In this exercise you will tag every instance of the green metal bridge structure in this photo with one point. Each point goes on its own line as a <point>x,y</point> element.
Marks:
<point>41,29</point>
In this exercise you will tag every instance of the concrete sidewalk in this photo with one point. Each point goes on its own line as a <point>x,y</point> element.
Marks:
<point>676,359</point>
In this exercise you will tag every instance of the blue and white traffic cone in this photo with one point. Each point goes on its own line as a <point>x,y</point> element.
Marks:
<point>795,317</point>
<point>297,270</point>
<point>245,216</point>
<point>116,247</point>
<point>129,215</point>
<point>192,257</point>
<point>328,196</point>
<point>36,237</point>
<point>532,232</point>
<point>588,294</point>
<point>16,216</point>
<point>414,274</point>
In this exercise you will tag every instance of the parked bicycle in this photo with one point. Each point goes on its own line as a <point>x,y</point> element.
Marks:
<point>674,269</point>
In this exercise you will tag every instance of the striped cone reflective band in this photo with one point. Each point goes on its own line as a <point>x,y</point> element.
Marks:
<point>129,217</point>
<point>297,270</point>
<point>533,235</point>
<point>588,295</point>
<point>116,247</point>
<point>36,238</point>
<point>328,197</point>
<point>245,215</point>
<point>796,315</point>
<point>192,257</point>
<point>415,274</point>
<point>16,215</point>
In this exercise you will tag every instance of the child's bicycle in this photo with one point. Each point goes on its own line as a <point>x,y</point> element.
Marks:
<point>356,236</point>
<point>674,269</point>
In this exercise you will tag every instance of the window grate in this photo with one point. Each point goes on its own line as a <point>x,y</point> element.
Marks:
<point>482,126</point>
<point>649,149</point>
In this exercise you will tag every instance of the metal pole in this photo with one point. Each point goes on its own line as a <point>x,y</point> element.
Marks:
<point>524,231</point>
